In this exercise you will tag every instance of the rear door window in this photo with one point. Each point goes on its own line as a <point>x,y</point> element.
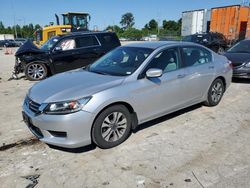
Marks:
<point>109,40</point>
<point>86,41</point>
<point>193,56</point>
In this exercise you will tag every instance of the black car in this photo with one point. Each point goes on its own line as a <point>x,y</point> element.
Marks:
<point>8,43</point>
<point>239,55</point>
<point>215,41</point>
<point>20,41</point>
<point>63,53</point>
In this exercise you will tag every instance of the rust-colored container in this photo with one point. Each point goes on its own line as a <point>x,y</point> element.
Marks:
<point>232,21</point>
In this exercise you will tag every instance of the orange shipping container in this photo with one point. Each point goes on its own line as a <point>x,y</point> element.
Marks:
<point>231,21</point>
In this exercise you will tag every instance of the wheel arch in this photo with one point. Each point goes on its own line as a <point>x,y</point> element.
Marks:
<point>223,80</point>
<point>127,105</point>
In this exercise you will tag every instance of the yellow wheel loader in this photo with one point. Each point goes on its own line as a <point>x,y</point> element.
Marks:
<point>72,22</point>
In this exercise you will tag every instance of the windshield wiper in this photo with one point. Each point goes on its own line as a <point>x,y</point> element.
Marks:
<point>98,72</point>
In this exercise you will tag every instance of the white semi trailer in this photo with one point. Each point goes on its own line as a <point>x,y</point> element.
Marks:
<point>195,21</point>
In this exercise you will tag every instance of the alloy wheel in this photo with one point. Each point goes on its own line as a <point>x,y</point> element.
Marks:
<point>217,92</point>
<point>114,126</point>
<point>36,71</point>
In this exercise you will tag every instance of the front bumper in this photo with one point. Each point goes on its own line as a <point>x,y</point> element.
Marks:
<point>69,131</point>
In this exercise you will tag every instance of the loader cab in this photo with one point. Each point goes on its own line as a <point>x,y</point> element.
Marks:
<point>72,22</point>
<point>78,21</point>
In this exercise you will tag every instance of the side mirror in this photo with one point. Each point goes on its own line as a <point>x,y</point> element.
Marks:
<point>154,73</point>
<point>57,49</point>
<point>205,40</point>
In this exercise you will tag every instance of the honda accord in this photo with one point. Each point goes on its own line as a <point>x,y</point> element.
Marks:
<point>128,86</point>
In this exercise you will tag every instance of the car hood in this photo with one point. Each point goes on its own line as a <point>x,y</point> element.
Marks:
<point>28,47</point>
<point>71,85</point>
<point>238,58</point>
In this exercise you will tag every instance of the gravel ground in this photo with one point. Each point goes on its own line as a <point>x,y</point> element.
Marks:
<point>196,147</point>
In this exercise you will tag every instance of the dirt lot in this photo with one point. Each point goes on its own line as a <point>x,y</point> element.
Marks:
<point>195,147</point>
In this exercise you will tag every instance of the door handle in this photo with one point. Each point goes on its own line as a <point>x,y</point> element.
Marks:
<point>181,75</point>
<point>211,67</point>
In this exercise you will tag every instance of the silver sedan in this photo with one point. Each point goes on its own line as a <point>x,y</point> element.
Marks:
<point>130,85</point>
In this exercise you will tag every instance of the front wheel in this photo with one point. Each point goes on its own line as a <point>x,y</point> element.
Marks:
<point>112,127</point>
<point>35,71</point>
<point>215,92</point>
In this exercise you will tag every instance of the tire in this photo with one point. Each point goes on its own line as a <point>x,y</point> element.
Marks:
<point>215,93</point>
<point>107,132</point>
<point>35,71</point>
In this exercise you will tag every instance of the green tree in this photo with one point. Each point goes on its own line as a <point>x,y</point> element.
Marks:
<point>132,33</point>
<point>2,28</point>
<point>170,25</point>
<point>152,24</point>
<point>37,26</point>
<point>127,20</point>
<point>114,28</point>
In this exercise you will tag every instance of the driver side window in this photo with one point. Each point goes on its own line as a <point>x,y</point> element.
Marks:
<point>167,60</point>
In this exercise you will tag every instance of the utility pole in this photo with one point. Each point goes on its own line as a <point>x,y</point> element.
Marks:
<point>158,26</point>
<point>14,16</point>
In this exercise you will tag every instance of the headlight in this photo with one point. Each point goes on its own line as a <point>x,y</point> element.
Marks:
<point>66,107</point>
<point>247,65</point>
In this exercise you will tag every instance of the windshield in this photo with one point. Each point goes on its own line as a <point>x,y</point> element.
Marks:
<point>196,38</point>
<point>49,43</point>
<point>241,47</point>
<point>121,61</point>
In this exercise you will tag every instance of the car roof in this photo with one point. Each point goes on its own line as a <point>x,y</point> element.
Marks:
<point>209,33</point>
<point>158,44</point>
<point>87,33</point>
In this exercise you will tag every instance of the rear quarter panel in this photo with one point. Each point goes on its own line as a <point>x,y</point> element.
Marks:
<point>223,68</point>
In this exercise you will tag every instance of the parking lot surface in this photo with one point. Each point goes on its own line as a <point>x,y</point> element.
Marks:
<point>195,147</point>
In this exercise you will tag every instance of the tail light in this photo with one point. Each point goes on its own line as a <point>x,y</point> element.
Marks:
<point>230,64</point>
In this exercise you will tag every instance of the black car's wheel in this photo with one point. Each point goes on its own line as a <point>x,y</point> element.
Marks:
<point>215,92</point>
<point>35,71</point>
<point>112,127</point>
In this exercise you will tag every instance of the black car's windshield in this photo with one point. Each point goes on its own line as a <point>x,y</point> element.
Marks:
<point>196,38</point>
<point>49,43</point>
<point>241,47</point>
<point>121,61</point>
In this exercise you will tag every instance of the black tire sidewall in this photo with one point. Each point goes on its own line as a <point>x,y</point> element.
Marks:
<point>96,130</point>
<point>30,78</point>
<point>210,102</point>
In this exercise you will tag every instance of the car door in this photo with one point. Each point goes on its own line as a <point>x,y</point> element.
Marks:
<point>200,71</point>
<point>63,56</point>
<point>157,96</point>
<point>89,50</point>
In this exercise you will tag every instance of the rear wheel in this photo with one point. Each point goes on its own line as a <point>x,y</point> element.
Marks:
<point>215,92</point>
<point>112,127</point>
<point>35,71</point>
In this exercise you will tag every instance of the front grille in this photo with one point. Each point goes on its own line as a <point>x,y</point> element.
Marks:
<point>33,106</point>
